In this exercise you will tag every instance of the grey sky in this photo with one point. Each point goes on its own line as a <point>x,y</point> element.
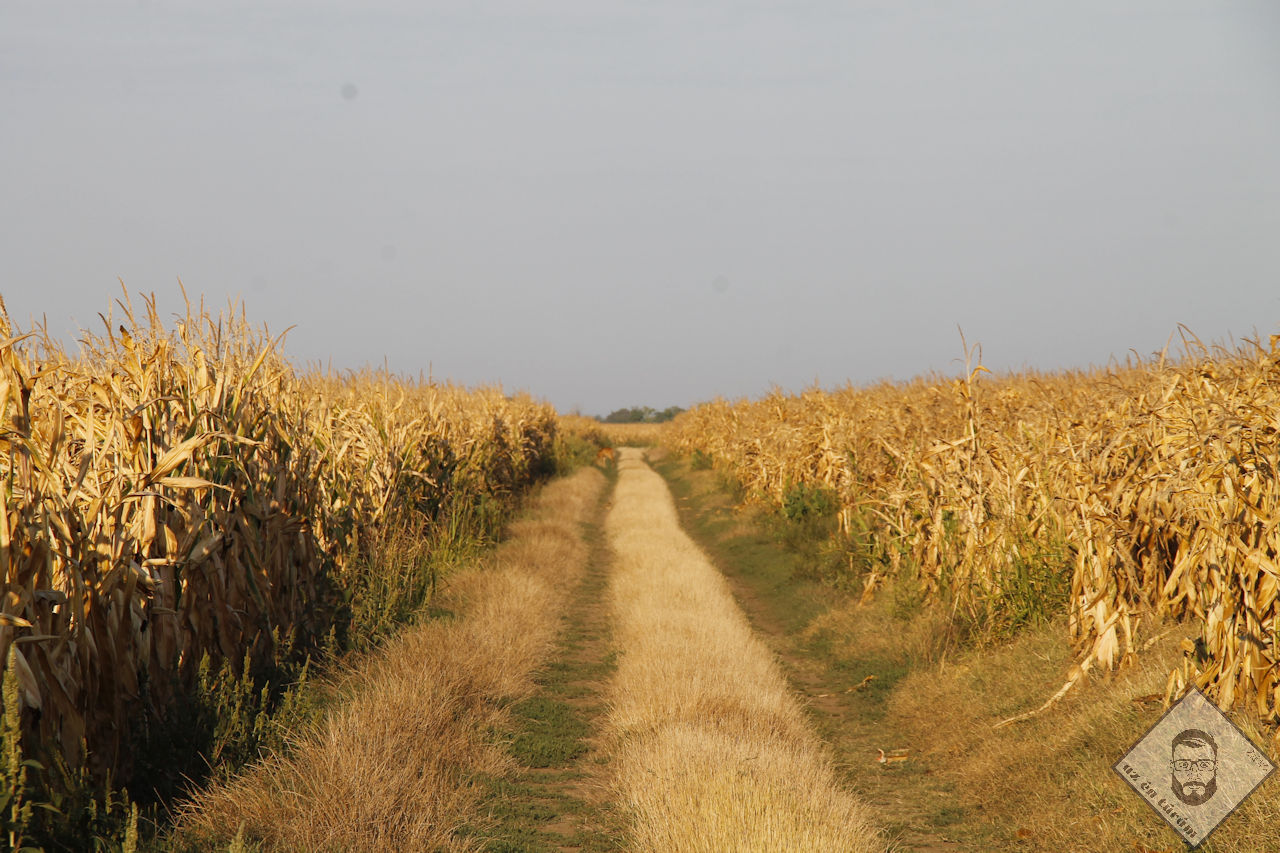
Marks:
<point>614,204</point>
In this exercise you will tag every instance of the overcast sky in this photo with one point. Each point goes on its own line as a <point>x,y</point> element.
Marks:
<point>612,204</point>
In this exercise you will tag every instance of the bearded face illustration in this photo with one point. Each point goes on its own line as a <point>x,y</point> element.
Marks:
<point>1195,767</point>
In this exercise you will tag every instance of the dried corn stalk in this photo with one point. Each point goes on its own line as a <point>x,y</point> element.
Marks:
<point>1159,477</point>
<point>169,495</point>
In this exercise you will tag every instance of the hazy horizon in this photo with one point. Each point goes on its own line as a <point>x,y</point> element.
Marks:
<point>625,204</point>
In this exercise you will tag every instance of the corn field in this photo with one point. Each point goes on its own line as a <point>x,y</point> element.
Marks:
<point>1150,489</point>
<point>175,494</point>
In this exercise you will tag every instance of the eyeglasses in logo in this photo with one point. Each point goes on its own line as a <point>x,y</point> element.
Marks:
<point>1195,766</point>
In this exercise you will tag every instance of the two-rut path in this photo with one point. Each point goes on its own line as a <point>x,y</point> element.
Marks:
<point>663,721</point>
<point>598,682</point>
<point>594,686</point>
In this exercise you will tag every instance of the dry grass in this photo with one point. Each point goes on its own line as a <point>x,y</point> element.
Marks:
<point>1045,784</point>
<point>713,751</point>
<point>927,639</point>
<point>394,766</point>
<point>1115,497</point>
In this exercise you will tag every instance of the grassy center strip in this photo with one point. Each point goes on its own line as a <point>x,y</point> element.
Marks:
<point>394,765</point>
<point>557,798</point>
<point>713,752</point>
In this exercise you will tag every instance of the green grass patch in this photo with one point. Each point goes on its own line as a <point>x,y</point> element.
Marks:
<point>551,733</point>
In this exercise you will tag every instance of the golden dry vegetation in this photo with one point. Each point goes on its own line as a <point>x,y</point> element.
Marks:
<point>172,496</point>
<point>713,753</point>
<point>1126,496</point>
<point>634,434</point>
<point>589,429</point>
<point>397,763</point>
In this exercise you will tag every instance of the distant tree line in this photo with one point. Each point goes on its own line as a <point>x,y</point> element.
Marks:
<point>642,415</point>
